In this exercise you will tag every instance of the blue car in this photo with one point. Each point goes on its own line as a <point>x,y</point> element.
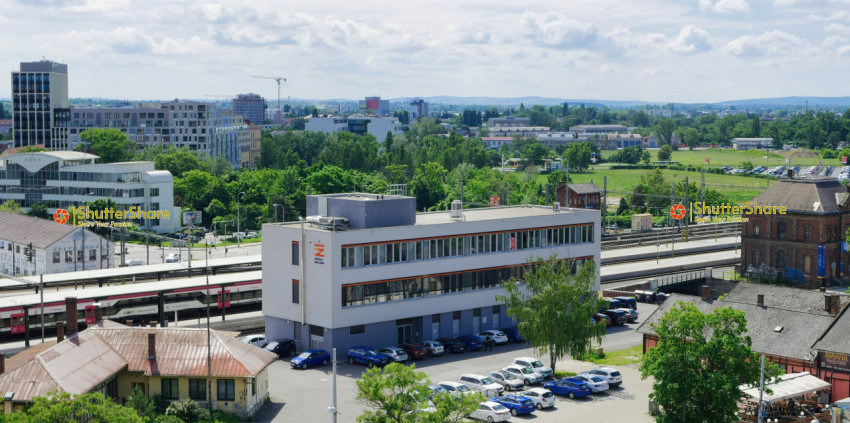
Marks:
<point>572,388</point>
<point>470,342</point>
<point>367,356</point>
<point>310,358</point>
<point>512,334</point>
<point>516,403</point>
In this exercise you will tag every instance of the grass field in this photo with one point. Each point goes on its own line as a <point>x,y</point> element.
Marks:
<point>718,157</point>
<point>631,355</point>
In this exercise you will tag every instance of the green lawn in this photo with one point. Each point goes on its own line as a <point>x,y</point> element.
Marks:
<point>720,157</point>
<point>560,374</point>
<point>631,355</point>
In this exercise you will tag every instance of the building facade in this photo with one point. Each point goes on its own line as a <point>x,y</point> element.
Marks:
<point>376,105</point>
<point>507,122</point>
<point>231,137</point>
<point>146,126</point>
<point>65,179</point>
<point>598,129</point>
<point>751,143</point>
<point>391,275</point>
<point>790,245</point>
<point>582,196</point>
<point>255,138</point>
<point>40,109</point>
<point>418,109</point>
<point>251,107</point>
<point>377,126</point>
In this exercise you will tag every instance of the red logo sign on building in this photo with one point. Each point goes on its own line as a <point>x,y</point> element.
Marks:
<point>60,216</point>
<point>319,253</point>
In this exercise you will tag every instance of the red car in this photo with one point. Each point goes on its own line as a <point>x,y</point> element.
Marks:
<point>599,317</point>
<point>414,351</point>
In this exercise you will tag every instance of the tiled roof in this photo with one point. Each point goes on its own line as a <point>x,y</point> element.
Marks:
<point>798,330</point>
<point>813,195</point>
<point>22,229</point>
<point>793,299</point>
<point>837,336</point>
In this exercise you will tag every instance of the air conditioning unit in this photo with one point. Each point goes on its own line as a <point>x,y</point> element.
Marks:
<point>457,209</point>
<point>556,207</point>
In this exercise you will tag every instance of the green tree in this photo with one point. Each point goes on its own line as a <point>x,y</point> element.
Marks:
<point>747,165</point>
<point>534,153</point>
<point>664,130</point>
<point>141,404</point>
<point>554,308</point>
<point>699,363</point>
<point>631,155</point>
<point>640,119</point>
<point>331,180</point>
<point>110,145</point>
<point>179,162</point>
<point>756,127</point>
<point>188,410</point>
<point>63,407</point>
<point>690,137</point>
<point>38,210</point>
<point>427,185</point>
<point>10,206</point>
<point>578,155</point>
<point>665,153</point>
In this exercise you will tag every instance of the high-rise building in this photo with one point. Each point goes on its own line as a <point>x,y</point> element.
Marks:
<point>375,104</point>
<point>40,105</point>
<point>250,106</point>
<point>418,109</point>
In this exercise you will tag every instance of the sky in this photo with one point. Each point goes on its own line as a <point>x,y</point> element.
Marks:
<point>648,50</point>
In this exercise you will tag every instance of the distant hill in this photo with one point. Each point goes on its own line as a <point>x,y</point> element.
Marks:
<point>515,101</point>
<point>790,101</point>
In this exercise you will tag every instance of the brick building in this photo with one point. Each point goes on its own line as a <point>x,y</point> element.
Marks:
<point>582,196</point>
<point>789,245</point>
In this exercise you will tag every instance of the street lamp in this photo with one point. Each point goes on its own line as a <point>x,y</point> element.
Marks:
<point>238,209</point>
<point>275,212</point>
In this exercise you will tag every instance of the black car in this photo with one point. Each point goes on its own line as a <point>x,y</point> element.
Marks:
<point>451,345</point>
<point>617,317</point>
<point>283,348</point>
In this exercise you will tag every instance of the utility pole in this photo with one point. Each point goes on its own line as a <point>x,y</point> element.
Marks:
<point>761,385</point>
<point>209,343</point>
<point>687,206</point>
<point>333,409</point>
<point>605,198</point>
<point>702,190</point>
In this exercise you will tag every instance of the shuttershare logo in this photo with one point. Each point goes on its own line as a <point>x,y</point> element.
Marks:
<point>61,216</point>
<point>678,211</point>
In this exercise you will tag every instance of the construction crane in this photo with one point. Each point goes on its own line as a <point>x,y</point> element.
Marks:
<point>276,79</point>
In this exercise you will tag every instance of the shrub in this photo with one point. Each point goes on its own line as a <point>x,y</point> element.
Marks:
<point>187,410</point>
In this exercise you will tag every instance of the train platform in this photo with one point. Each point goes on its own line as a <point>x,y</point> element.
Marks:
<point>640,269</point>
<point>668,250</point>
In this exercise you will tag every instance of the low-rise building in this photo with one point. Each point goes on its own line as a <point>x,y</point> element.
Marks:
<point>494,143</point>
<point>751,143</point>
<point>508,122</point>
<point>582,196</point>
<point>523,131</point>
<point>377,126</point>
<point>598,129</point>
<point>56,248</point>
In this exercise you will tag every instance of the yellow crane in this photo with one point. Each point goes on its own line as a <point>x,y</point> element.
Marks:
<point>277,79</point>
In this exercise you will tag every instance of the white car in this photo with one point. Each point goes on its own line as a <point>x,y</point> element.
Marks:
<point>434,348</point>
<point>488,387</point>
<point>541,398</point>
<point>524,373</point>
<point>491,412</point>
<point>172,258</point>
<point>255,340</point>
<point>596,383</point>
<point>612,376</point>
<point>394,353</point>
<point>509,380</point>
<point>135,263</point>
<point>496,335</point>
<point>535,365</point>
<point>456,389</point>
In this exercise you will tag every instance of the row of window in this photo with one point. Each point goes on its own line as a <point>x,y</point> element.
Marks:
<point>69,256</point>
<point>832,231</point>
<point>456,246</point>
<point>198,389</point>
<point>429,286</point>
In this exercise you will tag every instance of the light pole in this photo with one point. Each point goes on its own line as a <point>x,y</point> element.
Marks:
<point>275,212</point>
<point>238,209</point>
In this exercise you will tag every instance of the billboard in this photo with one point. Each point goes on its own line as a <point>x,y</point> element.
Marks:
<point>192,218</point>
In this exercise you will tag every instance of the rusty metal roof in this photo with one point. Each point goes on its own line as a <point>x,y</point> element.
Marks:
<point>26,355</point>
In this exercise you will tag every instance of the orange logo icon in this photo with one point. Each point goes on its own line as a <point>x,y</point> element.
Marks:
<point>60,216</point>
<point>677,211</point>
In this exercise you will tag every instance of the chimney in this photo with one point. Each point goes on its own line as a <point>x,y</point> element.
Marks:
<point>706,292</point>
<point>129,322</point>
<point>836,305</point>
<point>60,332</point>
<point>790,173</point>
<point>827,306</point>
<point>153,324</point>
<point>760,300</point>
<point>71,314</point>
<point>98,314</point>
<point>151,346</point>
<point>2,363</point>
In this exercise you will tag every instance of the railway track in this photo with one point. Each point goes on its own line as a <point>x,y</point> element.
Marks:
<point>695,232</point>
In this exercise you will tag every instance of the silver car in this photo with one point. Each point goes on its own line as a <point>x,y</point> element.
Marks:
<point>507,379</point>
<point>525,374</point>
<point>394,353</point>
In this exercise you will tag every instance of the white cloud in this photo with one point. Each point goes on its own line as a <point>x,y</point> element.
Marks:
<point>833,41</point>
<point>724,6</point>
<point>841,15</point>
<point>691,40</point>
<point>837,28</point>
<point>843,51</point>
<point>771,42</point>
<point>555,31</point>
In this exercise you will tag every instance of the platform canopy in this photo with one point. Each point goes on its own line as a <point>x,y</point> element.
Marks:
<point>788,386</point>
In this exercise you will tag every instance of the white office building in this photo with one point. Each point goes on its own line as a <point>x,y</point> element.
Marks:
<point>65,179</point>
<point>377,126</point>
<point>751,143</point>
<point>366,269</point>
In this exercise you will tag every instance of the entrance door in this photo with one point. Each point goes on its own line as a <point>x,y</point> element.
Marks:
<point>435,330</point>
<point>456,327</point>
<point>495,321</point>
<point>476,325</point>
<point>405,334</point>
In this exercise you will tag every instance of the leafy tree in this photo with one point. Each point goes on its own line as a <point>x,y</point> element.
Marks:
<point>427,185</point>
<point>631,155</point>
<point>640,119</point>
<point>38,210</point>
<point>664,129</point>
<point>578,155</point>
<point>331,180</point>
<point>665,153</point>
<point>218,165</point>
<point>756,127</point>
<point>179,162</point>
<point>10,206</point>
<point>554,307</point>
<point>110,145</point>
<point>141,404</point>
<point>534,153</point>
<point>645,156</point>
<point>398,393</point>
<point>299,123</point>
<point>690,137</point>
<point>747,165</point>
<point>699,363</point>
<point>63,407</point>
<point>187,410</point>
<point>403,116</point>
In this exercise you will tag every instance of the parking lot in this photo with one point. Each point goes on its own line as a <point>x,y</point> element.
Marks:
<point>305,395</point>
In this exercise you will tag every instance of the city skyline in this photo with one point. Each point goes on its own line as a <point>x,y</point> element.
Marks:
<point>656,51</point>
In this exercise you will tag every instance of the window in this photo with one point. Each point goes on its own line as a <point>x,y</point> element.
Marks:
<point>198,389</point>
<point>56,257</point>
<point>807,265</point>
<point>296,293</point>
<point>69,256</point>
<point>154,192</point>
<point>357,329</point>
<point>92,254</point>
<point>169,388</point>
<point>226,389</point>
<point>756,261</point>
<point>80,255</point>
<point>780,259</point>
<point>295,253</point>
<point>756,228</point>
<point>780,230</point>
<point>807,233</point>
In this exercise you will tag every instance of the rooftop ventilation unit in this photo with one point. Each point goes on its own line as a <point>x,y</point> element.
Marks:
<point>457,210</point>
<point>332,223</point>
<point>556,207</point>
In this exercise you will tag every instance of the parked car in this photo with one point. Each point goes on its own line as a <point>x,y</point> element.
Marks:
<point>434,348</point>
<point>618,318</point>
<point>367,356</point>
<point>311,358</point>
<point>570,388</point>
<point>414,351</point>
<point>599,317</point>
<point>255,340</point>
<point>516,404</point>
<point>394,353</point>
<point>497,336</point>
<point>283,348</point>
<point>172,258</point>
<point>613,303</point>
<point>252,235</point>
<point>436,388</point>
<point>491,412</point>
<point>535,365</point>
<point>135,263</point>
<point>488,387</point>
<point>451,345</point>
<point>631,315</point>
<point>524,373</point>
<point>239,235</point>
<point>540,397</point>
<point>612,376</point>
<point>508,380</point>
<point>596,383</point>
<point>628,302</point>
<point>470,342</point>
<point>512,334</point>
<point>456,389</point>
